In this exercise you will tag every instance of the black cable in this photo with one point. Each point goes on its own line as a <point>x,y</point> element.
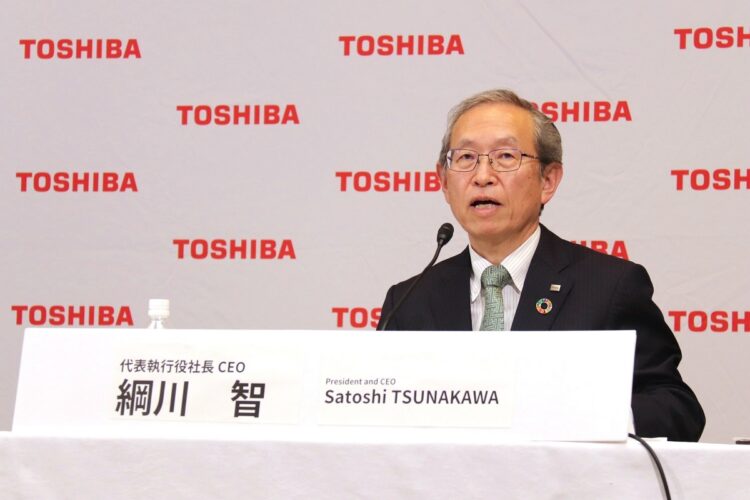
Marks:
<point>651,452</point>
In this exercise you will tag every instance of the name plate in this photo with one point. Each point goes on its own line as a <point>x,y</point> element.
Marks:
<point>415,380</point>
<point>533,385</point>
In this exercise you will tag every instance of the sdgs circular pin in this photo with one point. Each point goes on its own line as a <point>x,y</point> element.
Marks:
<point>543,306</point>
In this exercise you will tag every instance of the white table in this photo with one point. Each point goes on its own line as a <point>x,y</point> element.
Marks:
<point>40,467</point>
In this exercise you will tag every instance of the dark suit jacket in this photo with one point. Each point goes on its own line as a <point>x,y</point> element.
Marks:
<point>598,292</point>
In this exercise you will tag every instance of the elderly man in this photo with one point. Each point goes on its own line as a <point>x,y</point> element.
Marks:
<point>501,161</point>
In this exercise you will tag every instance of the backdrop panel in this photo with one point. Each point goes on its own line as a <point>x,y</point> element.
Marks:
<point>271,165</point>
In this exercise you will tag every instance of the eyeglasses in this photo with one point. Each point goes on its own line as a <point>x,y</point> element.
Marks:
<point>501,160</point>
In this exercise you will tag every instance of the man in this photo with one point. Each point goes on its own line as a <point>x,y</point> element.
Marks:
<point>500,163</point>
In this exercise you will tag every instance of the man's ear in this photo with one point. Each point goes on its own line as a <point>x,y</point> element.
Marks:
<point>441,171</point>
<point>551,178</point>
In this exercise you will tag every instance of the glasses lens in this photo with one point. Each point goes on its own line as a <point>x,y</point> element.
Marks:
<point>463,159</point>
<point>505,159</point>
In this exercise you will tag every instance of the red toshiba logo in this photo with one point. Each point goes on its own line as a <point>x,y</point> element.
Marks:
<point>402,45</point>
<point>356,317</point>
<point>616,248</point>
<point>66,182</point>
<point>384,181</point>
<point>586,111</point>
<point>724,37</point>
<point>238,114</point>
<point>221,249</point>
<point>720,179</point>
<point>710,321</point>
<point>58,315</point>
<point>66,48</point>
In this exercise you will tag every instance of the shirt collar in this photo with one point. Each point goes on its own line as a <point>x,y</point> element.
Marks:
<point>517,264</point>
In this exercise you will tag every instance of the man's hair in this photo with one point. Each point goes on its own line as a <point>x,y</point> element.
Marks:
<point>547,138</point>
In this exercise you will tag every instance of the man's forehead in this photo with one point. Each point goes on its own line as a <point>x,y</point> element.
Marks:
<point>501,123</point>
<point>468,142</point>
<point>494,110</point>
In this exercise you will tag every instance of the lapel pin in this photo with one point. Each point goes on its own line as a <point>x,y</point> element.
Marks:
<point>543,306</point>
<point>554,288</point>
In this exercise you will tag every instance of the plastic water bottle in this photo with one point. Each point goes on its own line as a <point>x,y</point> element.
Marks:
<point>158,312</point>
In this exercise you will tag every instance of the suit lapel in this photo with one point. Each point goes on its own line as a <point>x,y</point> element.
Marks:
<point>450,302</point>
<point>545,274</point>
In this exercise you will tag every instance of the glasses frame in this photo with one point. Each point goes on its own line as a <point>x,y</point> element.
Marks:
<point>449,159</point>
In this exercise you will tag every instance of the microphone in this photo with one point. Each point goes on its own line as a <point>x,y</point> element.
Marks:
<point>444,235</point>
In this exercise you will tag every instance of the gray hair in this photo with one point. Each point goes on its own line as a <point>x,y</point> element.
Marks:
<point>547,138</point>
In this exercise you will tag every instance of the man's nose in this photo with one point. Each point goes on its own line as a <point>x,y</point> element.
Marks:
<point>483,172</point>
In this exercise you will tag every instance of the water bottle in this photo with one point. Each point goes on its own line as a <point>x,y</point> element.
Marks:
<point>158,312</point>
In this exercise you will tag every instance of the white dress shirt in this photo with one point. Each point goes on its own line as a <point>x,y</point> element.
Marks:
<point>517,264</point>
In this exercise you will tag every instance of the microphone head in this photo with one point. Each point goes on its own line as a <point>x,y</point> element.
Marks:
<point>445,233</point>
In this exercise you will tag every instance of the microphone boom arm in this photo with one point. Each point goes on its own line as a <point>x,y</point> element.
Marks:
<point>445,233</point>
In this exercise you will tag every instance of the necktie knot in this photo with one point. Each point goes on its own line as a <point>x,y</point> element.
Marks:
<point>496,276</point>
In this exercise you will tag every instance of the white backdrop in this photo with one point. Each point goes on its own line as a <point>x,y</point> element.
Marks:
<point>677,74</point>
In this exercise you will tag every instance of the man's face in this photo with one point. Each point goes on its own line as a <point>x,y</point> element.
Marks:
<point>499,210</point>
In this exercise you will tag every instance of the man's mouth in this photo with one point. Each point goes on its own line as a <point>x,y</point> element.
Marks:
<point>484,202</point>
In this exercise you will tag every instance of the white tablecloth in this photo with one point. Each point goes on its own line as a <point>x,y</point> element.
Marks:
<point>125,468</point>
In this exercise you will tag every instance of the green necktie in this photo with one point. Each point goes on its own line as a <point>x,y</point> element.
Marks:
<point>494,278</point>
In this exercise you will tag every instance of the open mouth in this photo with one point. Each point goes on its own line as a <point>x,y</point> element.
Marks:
<point>484,202</point>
